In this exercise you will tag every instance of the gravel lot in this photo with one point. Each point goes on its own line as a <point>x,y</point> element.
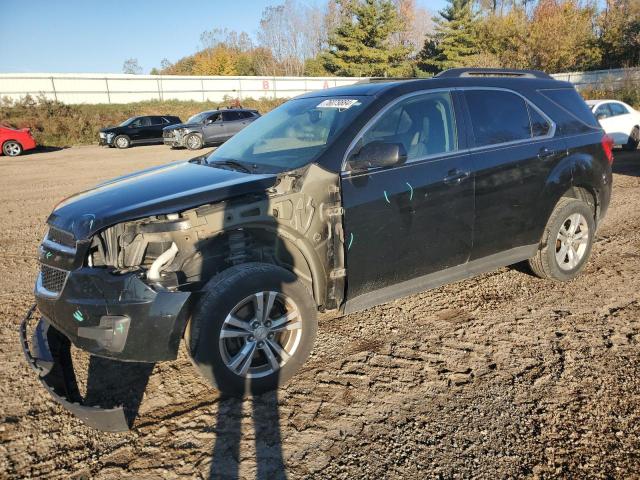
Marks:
<point>504,375</point>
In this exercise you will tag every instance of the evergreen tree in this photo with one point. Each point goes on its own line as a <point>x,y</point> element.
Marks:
<point>454,40</point>
<point>361,43</point>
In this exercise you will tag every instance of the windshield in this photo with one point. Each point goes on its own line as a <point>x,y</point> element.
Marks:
<point>292,135</point>
<point>198,118</point>
<point>127,121</point>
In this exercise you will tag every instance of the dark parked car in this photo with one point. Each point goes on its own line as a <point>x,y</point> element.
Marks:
<point>335,201</point>
<point>137,130</point>
<point>210,127</point>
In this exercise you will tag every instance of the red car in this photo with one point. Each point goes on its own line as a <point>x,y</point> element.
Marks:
<point>14,142</point>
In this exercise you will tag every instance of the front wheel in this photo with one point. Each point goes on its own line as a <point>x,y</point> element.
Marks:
<point>566,242</point>
<point>122,141</point>
<point>252,329</point>
<point>193,141</point>
<point>634,140</point>
<point>11,148</point>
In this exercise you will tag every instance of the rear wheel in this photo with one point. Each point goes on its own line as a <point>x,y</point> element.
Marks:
<point>193,141</point>
<point>122,141</point>
<point>567,241</point>
<point>634,139</point>
<point>11,148</point>
<point>252,329</point>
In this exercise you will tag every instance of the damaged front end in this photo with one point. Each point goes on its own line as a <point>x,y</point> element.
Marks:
<point>125,292</point>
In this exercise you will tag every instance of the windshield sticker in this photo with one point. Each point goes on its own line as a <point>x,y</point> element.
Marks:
<point>339,103</point>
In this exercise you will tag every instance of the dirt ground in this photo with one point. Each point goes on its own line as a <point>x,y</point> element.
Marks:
<point>504,375</point>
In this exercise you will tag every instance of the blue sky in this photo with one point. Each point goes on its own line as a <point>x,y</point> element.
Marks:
<point>96,36</point>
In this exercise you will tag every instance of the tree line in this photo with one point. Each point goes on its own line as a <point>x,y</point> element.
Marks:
<point>397,38</point>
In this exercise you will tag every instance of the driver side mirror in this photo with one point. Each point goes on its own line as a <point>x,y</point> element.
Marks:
<point>377,155</point>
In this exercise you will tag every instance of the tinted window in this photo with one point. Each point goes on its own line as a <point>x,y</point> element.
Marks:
<point>156,121</point>
<point>230,116</point>
<point>214,118</point>
<point>618,109</point>
<point>572,102</point>
<point>497,116</point>
<point>246,114</point>
<point>603,111</point>
<point>539,125</point>
<point>142,122</point>
<point>424,124</point>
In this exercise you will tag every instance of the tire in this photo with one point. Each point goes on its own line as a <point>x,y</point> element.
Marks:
<point>11,148</point>
<point>238,290</point>
<point>122,141</point>
<point>193,141</point>
<point>571,226</point>
<point>634,140</point>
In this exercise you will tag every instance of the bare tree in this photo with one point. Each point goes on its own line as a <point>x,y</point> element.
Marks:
<point>131,66</point>
<point>417,23</point>
<point>294,32</point>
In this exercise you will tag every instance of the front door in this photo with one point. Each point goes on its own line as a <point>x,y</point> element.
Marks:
<point>408,221</point>
<point>213,129</point>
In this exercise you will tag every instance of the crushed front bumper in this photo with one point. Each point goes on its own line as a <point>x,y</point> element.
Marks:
<point>49,355</point>
<point>116,316</point>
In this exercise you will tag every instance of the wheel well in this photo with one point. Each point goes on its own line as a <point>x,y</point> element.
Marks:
<point>246,245</point>
<point>586,195</point>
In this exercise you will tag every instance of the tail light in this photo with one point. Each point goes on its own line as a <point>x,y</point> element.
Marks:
<point>607,147</point>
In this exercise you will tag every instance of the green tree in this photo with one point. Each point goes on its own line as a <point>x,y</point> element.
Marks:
<point>454,41</point>
<point>361,43</point>
<point>619,39</point>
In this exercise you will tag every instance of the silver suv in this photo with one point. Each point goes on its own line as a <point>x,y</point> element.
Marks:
<point>207,128</point>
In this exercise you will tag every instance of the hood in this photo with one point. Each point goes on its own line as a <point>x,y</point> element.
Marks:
<point>182,125</point>
<point>108,129</point>
<point>160,190</point>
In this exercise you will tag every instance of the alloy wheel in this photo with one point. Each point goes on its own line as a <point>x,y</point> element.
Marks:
<point>12,149</point>
<point>572,241</point>
<point>261,334</point>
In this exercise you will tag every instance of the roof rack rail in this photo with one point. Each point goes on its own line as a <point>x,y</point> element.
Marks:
<point>493,72</point>
<point>385,79</point>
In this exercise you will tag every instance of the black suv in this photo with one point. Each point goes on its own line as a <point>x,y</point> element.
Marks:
<point>137,130</point>
<point>208,128</point>
<point>335,201</point>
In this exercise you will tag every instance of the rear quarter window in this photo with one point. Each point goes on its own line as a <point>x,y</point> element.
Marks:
<point>569,100</point>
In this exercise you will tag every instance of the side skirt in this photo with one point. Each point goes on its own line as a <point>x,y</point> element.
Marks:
<point>437,279</point>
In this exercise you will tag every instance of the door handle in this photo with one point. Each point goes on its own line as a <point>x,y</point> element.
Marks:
<point>546,153</point>
<point>455,177</point>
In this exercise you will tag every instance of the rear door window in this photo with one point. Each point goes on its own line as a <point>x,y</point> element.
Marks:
<point>156,121</point>
<point>540,126</point>
<point>618,109</point>
<point>497,116</point>
<point>230,116</point>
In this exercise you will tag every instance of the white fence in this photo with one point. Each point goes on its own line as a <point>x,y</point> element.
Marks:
<point>123,88</point>
<point>612,77</point>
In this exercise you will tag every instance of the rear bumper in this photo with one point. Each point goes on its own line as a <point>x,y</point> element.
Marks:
<point>48,355</point>
<point>116,316</point>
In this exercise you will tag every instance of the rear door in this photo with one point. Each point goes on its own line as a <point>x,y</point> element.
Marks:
<point>233,122</point>
<point>407,221</point>
<point>514,150</point>
<point>622,123</point>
